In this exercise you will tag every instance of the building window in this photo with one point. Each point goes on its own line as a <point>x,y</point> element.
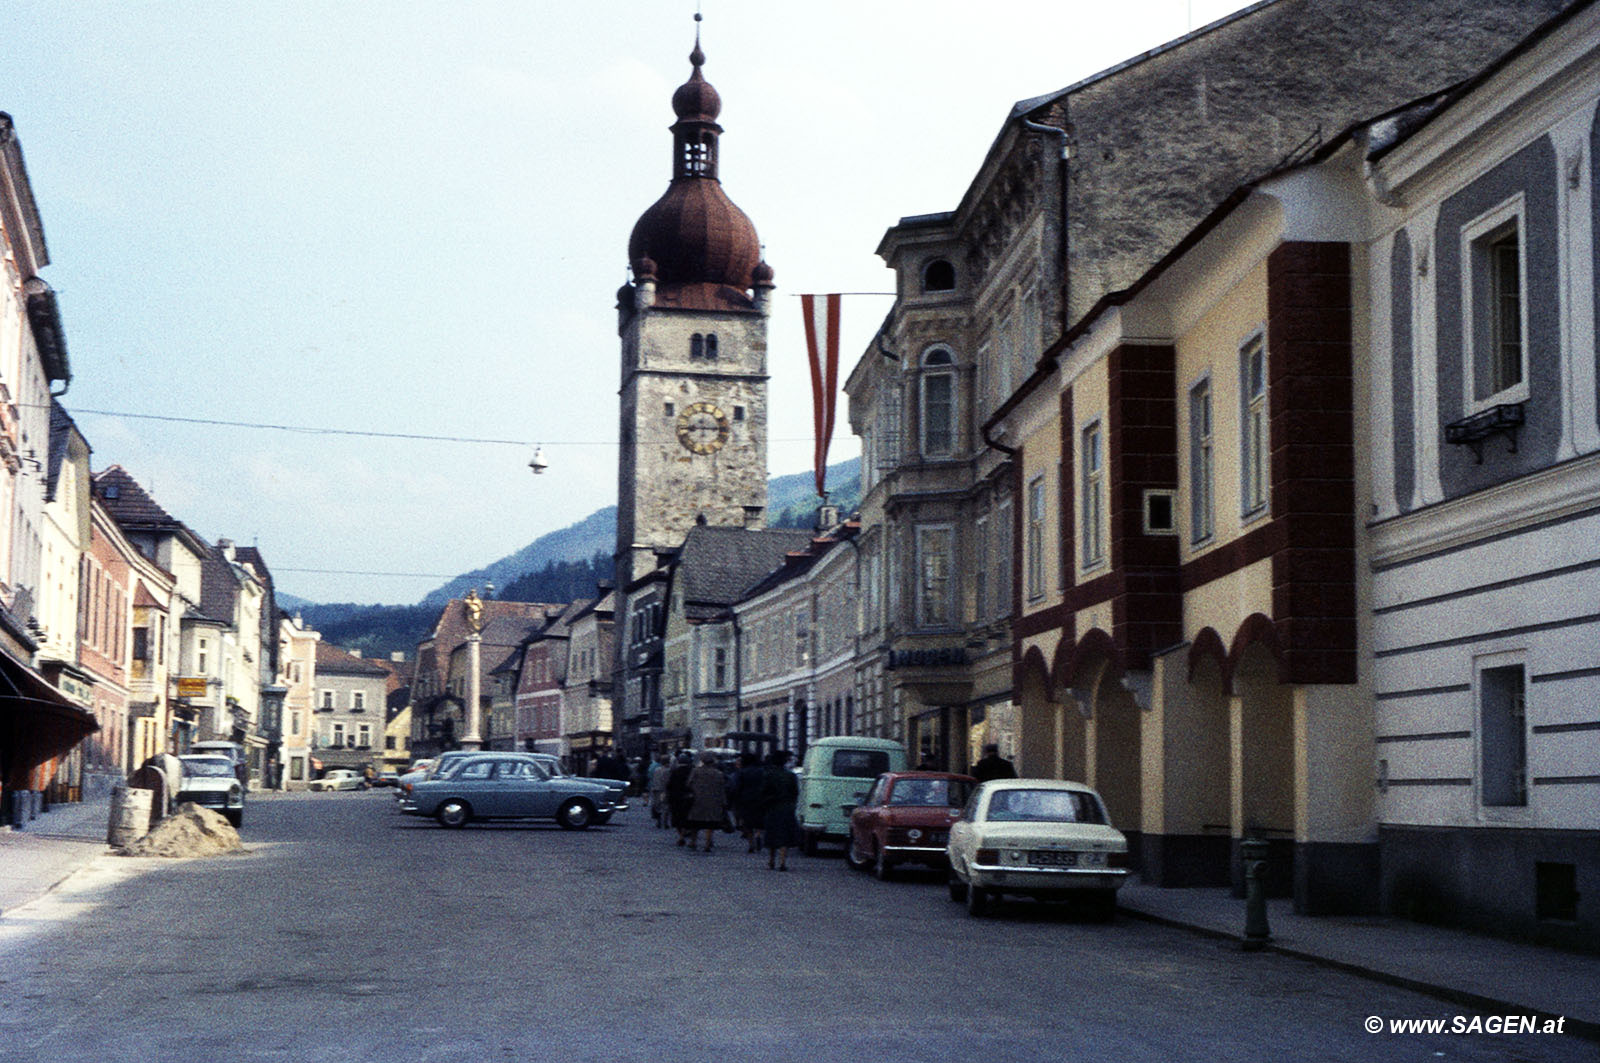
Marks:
<point>364,736</point>
<point>327,699</point>
<point>294,721</point>
<point>738,413</point>
<point>935,547</point>
<point>1035,537</point>
<point>938,276</point>
<point>141,644</point>
<point>719,668</point>
<point>1001,579</point>
<point>338,736</point>
<point>1253,422</point>
<point>388,742</point>
<point>1202,469</point>
<point>1495,305</point>
<point>668,409</point>
<point>1504,742</point>
<point>297,769</point>
<point>980,567</point>
<point>1160,517</point>
<point>697,346</point>
<point>938,403</point>
<point>1094,511</point>
<point>358,700</point>
<point>202,656</point>
<point>711,346</point>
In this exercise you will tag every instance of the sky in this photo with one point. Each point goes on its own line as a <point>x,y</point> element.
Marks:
<point>373,219</point>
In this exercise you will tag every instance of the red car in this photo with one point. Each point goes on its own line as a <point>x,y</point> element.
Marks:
<point>906,819</point>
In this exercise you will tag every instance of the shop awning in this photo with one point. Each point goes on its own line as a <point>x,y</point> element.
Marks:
<point>38,725</point>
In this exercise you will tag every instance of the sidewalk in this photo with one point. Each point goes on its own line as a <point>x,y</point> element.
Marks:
<point>1480,973</point>
<point>49,848</point>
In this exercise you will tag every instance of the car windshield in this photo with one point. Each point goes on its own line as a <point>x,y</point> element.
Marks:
<point>208,767</point>
<point>1044,806</point>
<point>930,793</point>
<point>860,763</point>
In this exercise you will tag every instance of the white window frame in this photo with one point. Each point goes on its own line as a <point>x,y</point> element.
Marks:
<point>358,700</point>
<point>1202,463</point>
<point>944,371</point>
<point>1035,537</point>
<point>328,697</point>
<point>1474,234</point>
<point>1255,430</point>
<point>1092,493</point>
<point>926,533</point>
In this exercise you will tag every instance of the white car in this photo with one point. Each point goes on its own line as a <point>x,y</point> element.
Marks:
<point>1040,838</point>
<point>339,779</point>
<point>209,780</point>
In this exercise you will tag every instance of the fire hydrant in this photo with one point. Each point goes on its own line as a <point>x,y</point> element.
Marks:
<point>1256,931</point>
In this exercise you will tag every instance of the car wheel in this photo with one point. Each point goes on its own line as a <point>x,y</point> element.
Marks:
<point>978,901</point>
<point>576,814</point>
<point>958,889</point>
<point>235,816</point>
<point>882,869</point>
<point>453,813</point>
<point>853,856</point>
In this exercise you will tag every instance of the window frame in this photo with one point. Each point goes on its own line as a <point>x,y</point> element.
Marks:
<point>1498,810</point>
<point>1477,237</point>
<point>1092,482</point>
<point>1033,537</point>
<point>944,372</point>
<point>1202,463</point>
<point>925,533</point>
<point>1255,429</point>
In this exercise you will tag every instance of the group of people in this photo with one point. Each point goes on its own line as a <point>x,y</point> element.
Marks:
<point>757,799</point>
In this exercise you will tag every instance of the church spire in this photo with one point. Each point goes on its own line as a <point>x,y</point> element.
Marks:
<point>694,135</point>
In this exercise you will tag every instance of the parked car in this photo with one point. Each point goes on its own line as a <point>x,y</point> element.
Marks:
<point>834,778</point>
<point>508,786</point>
<point>618,787</point>
<point>1040,838</point>
<point>232,750</point>
<point>906,819</point>
<point>210,782</point>
<point>340,779</point>
<point>387,777</point>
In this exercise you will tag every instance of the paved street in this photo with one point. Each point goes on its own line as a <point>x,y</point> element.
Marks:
<point>349,932</point>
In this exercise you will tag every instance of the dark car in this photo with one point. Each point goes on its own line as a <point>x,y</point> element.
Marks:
<point>508,786</point>
<point>906,819</point>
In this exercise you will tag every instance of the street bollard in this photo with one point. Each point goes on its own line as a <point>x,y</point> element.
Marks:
<point>1256,931</point>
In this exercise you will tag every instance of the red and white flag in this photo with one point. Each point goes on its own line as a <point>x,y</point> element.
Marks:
<point>822,345</point>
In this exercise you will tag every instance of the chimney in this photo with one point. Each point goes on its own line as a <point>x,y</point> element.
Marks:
<point>755,518</point>
<point>226,546</point>
<point>827,517</point>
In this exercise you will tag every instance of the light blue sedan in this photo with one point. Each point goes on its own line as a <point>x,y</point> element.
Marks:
<point>509,786</point>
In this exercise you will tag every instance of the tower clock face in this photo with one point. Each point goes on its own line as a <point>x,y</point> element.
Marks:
<point>702,428</point>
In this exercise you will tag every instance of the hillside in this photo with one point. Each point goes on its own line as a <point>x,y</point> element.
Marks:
<point>547,569</point>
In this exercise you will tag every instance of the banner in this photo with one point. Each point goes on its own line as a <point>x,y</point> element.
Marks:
<point>822,346</point>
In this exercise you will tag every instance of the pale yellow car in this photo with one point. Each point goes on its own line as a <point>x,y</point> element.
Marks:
<point>1041,838</point>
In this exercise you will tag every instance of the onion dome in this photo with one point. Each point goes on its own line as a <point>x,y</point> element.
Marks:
<point>694,234</point>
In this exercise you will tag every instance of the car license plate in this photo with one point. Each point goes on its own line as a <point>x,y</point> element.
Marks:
<point>1052,858</point>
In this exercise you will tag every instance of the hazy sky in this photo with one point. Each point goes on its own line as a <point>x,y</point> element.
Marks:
<point>413,217</point>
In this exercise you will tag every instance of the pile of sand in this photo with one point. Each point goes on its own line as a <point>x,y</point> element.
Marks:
<point>190,831</point>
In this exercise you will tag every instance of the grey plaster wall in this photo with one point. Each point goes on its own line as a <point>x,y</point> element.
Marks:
<point>1594,188</point>
<point>1531,171</point>
<point>1401,361</point>
<point>1158,145</point>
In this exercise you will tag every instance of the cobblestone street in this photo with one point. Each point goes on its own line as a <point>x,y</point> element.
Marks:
<point>349,932</point>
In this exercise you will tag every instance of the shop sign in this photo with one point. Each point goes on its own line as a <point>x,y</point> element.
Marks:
<point>931,657</point>
<point>191,686</point>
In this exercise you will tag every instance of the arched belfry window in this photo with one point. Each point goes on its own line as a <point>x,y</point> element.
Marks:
<point>697,346</point>
<point>711,345</point>
<point>938,403</point>
<point>938,276</point>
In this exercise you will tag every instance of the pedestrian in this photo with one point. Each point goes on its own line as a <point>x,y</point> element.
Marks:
<point>993,765</point>
<point>658,790</point>
<point>747,801</point>
<point>678,796</point>
<point>708,790</point>
<point>780,792</point>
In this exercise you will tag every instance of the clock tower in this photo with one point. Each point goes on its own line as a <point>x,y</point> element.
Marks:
<point>693,324</point>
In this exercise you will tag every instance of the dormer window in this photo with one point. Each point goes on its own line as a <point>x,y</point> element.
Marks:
<point>938,276</point>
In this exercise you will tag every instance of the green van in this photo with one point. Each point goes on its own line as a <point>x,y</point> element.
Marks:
<point>834,779</point>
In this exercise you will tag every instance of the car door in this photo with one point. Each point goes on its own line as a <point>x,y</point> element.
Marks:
<point>868,819</point>
<point>519,787</point>
<point>473,783</point>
